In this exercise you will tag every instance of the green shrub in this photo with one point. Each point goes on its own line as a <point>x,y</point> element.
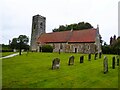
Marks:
<point>47,48</point>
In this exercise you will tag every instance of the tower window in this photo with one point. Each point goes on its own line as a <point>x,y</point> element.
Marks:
<point>41,24</point>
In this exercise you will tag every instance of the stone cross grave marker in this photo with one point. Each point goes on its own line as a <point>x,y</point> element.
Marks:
<point>95,56</point>
<point>71,60</point>
<point>81,59</point>
<point>113,62</point>
<point>118,59</point>
<point>89,57</point>
<point>105,64</point>
<point>56,63</point>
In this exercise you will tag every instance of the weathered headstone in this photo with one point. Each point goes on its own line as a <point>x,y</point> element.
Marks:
<point>89,57</point>
<point>56,63</point>
<point>95,56</point>
<point>118,60</point>
<point>113,62</point>
<point>100,54</point>
<point>105,64</point>
<point>81,59</point>
<point>71,60</point>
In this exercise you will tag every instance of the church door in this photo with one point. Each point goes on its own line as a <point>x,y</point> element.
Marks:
<point>40,49</point>
<point>75,50</point>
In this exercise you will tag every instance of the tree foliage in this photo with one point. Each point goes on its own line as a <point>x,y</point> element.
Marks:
<point>5,48</point>
<point>79,26</point>
<point>116,46</point>
<point>20,42</point>
<point>112,49</point>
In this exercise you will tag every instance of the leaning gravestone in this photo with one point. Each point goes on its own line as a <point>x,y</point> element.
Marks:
<point>100,54</point>
<point>105,64</point>
<point>71,60</point>
<point>56,63</point>
<point>95,56</point>
<point>117,60</point>
<point>89,57</point>
<point>113,62</point>
<point>81,59</point>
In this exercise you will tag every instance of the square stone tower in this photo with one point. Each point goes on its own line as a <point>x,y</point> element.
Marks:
<point>38,27</point>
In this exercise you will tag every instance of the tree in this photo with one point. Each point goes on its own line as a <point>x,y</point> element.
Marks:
<point>14,44</point>
<point>20,43</point>
<point>5,48</point>
<point>116,46</point>
<point>79,26</point>
<point>112,49</point>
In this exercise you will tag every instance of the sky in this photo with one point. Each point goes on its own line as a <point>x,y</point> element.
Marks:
<point>16,16</point>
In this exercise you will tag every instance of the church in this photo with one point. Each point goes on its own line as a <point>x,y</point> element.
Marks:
<point>77,41</point>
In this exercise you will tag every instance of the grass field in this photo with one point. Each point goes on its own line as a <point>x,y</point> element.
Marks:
<point>34,71</point>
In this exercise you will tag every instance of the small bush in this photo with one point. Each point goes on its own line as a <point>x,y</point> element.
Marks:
<point>47,48</point>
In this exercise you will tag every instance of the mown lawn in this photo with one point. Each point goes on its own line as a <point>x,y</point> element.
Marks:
<point>34,71</point>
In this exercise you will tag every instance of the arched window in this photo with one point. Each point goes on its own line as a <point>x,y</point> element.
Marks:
<point>88,47</point>
<point>53,46</point>
<point>41,25</point>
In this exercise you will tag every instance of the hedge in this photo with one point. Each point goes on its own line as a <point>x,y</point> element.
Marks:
<point>47,48</point>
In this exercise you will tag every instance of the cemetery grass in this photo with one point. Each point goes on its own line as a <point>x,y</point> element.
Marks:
<point>34,71</point>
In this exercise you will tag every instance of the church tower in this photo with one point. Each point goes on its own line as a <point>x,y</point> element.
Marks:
<point>38,27</point>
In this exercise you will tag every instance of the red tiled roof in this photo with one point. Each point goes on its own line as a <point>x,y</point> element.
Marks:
<point>83,36</point>
<point>87,35</point>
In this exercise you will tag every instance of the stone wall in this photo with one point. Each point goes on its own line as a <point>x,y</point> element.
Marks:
<point>74,47</point>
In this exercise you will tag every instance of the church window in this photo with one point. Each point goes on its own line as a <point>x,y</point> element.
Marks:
<point>80,46</point>
<point>88,47</point>
<point>53,46</point>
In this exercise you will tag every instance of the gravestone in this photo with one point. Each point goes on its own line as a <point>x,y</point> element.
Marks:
<point>118,60</point>
<point>100,54</point>
<point>95,56</point>
<point>105,64</point>
<point>113,62</point>
<point>71,60</point>
<point>56,63</point>
<point>89,57</point>
<point>81,59</point>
